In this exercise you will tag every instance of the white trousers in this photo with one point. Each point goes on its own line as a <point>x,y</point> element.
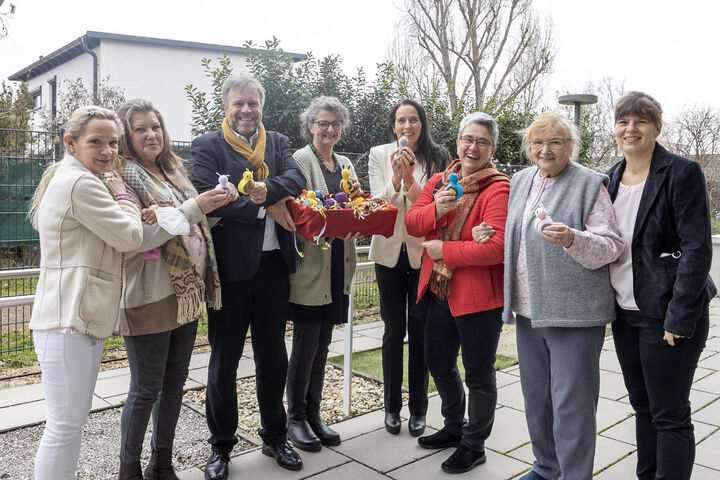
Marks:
<point>70,365</point>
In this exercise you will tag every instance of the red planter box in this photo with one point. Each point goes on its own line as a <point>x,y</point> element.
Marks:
<point>338,223</point>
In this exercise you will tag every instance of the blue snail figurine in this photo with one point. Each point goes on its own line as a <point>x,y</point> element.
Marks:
<point>454,186</point>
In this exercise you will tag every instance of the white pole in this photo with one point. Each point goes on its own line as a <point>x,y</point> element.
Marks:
<point>347,364</point>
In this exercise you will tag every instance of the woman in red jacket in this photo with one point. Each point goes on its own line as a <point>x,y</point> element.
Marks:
<point>464,281</point>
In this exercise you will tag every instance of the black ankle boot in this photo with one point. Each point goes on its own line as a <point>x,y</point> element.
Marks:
<point>130,471</point>
<point>160,466</point>
<point>327,436</point>
<point>302,436</point>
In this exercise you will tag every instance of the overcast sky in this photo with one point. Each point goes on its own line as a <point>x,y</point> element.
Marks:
<point>664,47</point>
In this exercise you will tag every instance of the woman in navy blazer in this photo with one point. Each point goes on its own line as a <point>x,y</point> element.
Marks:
<point>661,283</point>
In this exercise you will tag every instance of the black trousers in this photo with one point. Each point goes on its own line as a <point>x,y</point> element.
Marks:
<point>398,293</point>
<point>478,335</point>
<point>262,305</point>
<point>658,378</point>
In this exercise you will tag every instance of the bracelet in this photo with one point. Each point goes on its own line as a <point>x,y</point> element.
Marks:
<point>125,196</point>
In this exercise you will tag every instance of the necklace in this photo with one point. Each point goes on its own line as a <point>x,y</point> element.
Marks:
<point>322,162</point>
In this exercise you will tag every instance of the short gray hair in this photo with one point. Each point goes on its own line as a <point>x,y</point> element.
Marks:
<point>331,104</point>
<point>242,81</point>
<point>481,118</point>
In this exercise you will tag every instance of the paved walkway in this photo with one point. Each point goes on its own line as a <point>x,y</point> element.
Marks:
<point>369,453</point>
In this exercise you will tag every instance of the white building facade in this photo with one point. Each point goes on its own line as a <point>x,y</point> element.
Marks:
<point>151,68</point>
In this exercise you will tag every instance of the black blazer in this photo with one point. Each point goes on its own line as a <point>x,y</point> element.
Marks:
<point>238,237</point>
<point>673,218</point>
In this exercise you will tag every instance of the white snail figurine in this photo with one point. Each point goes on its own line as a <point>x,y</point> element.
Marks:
<point>223,183</point>
<point>542,219</point>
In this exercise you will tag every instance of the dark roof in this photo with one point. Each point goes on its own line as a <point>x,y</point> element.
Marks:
<point>92,40</point>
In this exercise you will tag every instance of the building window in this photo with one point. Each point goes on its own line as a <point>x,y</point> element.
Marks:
<point>37,99</point>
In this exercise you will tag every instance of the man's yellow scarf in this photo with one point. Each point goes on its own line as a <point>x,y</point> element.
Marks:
<point>256,156</point>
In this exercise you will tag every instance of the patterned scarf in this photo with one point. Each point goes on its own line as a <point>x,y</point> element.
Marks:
<point>472,186</point>
<point>256,156</point>
<point>189,287</point>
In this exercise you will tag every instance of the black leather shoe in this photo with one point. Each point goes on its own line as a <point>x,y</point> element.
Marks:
<point>416,425</point>
<point>392,422</point>
<point>216,467</point>
<point>284,455</point>
<point>463,460</point>
<point>327,436</point>
<point>440,439</point>
<point>302,436</point>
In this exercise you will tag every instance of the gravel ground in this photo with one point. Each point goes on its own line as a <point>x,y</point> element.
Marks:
<point>101,436</point>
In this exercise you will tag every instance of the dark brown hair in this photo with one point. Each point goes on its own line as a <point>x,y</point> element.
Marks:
<point>639,104</point>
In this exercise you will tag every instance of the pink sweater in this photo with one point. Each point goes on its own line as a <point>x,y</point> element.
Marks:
<point>599,244</point>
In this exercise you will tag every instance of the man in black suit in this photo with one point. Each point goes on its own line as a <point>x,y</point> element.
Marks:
<point>253,245</point>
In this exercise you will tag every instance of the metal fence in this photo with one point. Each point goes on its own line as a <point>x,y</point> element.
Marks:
<point>24,155</point>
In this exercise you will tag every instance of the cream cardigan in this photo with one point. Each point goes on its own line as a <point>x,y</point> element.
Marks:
<point>385,251</point>
<point>310,284</point>
<point>83,232</point>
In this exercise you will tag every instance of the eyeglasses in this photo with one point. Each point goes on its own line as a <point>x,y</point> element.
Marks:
<point>467,141</point>
<point>551,144</point>
<point>323,125</point>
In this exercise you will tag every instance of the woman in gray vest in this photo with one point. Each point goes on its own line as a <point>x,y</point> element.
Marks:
<point>559,237</point>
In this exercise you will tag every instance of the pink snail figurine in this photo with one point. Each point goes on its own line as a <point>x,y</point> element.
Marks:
<point>542,219</point>
<point>402,143</point>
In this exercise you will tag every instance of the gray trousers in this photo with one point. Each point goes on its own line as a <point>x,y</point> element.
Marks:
<point>560,379</point>
<point>158,370</point>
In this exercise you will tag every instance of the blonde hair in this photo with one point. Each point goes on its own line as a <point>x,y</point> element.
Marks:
<point>166,158</point>
<point>74,128</point>
<point>551,122</point>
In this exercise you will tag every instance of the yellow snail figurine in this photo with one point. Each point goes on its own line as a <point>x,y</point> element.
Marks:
<point>247,183</point>
<point>312,197</point>
<point>346,184</point>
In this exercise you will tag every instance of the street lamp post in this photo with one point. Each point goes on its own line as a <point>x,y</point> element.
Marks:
<point>577,100</point>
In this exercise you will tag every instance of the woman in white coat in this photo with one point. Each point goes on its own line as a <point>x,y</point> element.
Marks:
<point>86,220</point>
<point>398,171</point>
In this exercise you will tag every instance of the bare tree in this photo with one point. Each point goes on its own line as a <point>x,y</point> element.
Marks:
<point>73,93</point>
<point>5,17</point>
<point>490,51</point>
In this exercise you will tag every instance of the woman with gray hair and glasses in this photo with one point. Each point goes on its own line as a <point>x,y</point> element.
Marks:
<point>463,279</point>
<point>557,283</point>
<point>320,286</point>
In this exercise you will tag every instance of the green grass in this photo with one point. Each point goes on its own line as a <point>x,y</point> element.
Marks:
<point>715,226</point>
<point>18,286</point>
<point>370,363</point>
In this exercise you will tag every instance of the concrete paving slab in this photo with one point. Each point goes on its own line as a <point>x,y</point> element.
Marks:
<point>349,471</point>
<point>116,400</point>
<point>258,466</point>
<point>31,413</point>
<point>612,385</point>
<point>192,474</point>
<point>108,387</point>
<point>376,332</point>
<point>706,453</point>
<point>709,414</point>
<point>338,335</point>
<point>710,384</point>
<point>623,431</point>
<point>199,360</point>
<point>360,425</point>
<point>497,467</point>
<point>362,344</point>
<point>703,473</point>
<point>366,326</point>
<point>509,430</point>
<point>622,470</point>
<point>22,394</point>
<point>712,345</point>
<point>434,418</point>
<point>607,452</point>
<point>502,378</point>
<point>115,372</point>
<point>609,361</point>
<point>511,396</point>
<point>699,399</point>
<point>609,344</point>
<point>611,412</point>
<point>711,362</point>
<point>383,452</point>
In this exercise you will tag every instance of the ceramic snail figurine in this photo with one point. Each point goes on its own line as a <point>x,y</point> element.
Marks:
<point>247,182</point>
<point>346,185</point>
<point>223,183</point>
<point>542,219</point>
<point>454,186</point>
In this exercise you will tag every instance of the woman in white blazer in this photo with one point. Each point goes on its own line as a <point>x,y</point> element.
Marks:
<point>398,174</point>
<point>86,220</point>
